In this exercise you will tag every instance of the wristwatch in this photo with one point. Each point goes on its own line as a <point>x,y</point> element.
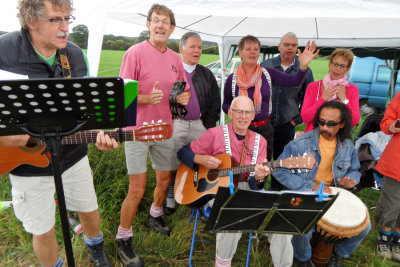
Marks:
<point>345,101</point>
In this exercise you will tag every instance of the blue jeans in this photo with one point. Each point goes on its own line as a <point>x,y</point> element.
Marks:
<point>302,247</point>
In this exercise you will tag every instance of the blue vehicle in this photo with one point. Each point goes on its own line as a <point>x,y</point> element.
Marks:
<point>372,77</point>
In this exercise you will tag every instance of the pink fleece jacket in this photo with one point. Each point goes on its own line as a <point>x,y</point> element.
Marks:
<point>313,100</point>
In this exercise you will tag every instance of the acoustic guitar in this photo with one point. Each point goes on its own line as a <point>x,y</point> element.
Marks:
<point>196,187</point>
<point>33,153</point>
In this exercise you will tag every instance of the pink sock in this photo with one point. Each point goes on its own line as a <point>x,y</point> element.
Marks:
<point>124,233</point>
<point>222,262</point>
<point>156,211</point>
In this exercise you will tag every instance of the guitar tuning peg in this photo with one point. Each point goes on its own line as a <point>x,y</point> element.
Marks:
<point>159,121</point>
<point>145,123</point>
<point>298,171</point>
<point>292,171</point>
<point>152,121</point>
<point>306,170</point>
<point>304,154</point>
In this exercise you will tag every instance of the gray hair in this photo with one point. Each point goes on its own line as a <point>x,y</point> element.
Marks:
<point>289,35</point>
<point>186,36</point>
<point>29,10</point>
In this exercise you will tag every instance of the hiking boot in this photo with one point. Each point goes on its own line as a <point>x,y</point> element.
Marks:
<point>395,248</point>
<point>334,261</point>
<point>308,263</point>
<point>168,211</point>
<point>98,256</point>
<point>126,253</point>
<point>158,224</point>
<point>383,246</point>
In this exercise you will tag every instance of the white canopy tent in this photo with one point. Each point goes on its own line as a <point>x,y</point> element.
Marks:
<point>332,23</point>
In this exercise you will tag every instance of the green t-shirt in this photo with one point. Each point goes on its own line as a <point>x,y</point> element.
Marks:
<point>52,60</point>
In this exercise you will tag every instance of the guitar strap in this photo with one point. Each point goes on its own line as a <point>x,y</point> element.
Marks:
<point>65,64</point>
<point>255,152</point>
<point>227,141</point>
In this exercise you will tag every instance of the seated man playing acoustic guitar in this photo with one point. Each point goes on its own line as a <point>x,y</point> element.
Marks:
<point>337,165</point>
<point>236,140</point>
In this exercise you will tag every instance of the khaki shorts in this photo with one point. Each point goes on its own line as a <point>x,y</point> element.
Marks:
<point>161,154</point>
<point>33,196</point>
<point>185,132</point>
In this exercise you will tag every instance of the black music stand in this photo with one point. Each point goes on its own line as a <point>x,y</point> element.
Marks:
<point>53,108</point>
<point>285,212</point>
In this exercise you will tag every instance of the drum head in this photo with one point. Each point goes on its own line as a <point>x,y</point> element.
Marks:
<point>347,217</point>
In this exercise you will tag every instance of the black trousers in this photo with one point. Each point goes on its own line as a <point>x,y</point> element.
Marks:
<point>283,134</point>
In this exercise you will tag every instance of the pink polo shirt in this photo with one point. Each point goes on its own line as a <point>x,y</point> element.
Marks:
<point>146,64</point>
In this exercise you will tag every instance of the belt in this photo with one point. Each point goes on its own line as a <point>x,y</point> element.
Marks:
<point>259,123</point>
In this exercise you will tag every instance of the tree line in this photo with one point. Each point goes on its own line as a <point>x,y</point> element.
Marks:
<point>80,33</point>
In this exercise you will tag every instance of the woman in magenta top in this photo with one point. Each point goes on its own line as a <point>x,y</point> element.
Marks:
<point>335,86</point>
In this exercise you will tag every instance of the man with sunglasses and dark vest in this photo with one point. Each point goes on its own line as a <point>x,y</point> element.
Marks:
<point>337,165</point>
<point>41,50</point>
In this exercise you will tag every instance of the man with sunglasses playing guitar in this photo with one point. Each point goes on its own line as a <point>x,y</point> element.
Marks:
<point>337,165</point>
<point>245,147</point>
<point>41,50</point>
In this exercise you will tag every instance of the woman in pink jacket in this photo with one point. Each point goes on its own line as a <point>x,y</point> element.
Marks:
<point>334,86</point>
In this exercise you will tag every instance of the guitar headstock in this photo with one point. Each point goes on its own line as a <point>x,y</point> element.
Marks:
<point>307,161</point>
<point>153,132</point>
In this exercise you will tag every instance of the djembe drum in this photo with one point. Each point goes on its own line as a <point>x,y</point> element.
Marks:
<point>347,217</point>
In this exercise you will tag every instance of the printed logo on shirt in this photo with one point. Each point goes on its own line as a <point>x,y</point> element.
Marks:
<point>174,68</point>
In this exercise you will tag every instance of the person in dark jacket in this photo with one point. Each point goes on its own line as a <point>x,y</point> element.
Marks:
<point>36,51</point>
<point>286,101</point>
<point>204,106</point>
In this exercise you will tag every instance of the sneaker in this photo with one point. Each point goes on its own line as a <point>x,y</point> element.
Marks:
<point>383,246</point>
<point>395,248</point>
<point>158,224</point>
<point>98,256</point>
<point>168,211</point>
<point>126,253</point>
<point>334,261</point>
<point>308,263</point>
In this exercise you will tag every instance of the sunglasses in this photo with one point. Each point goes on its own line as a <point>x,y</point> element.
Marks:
<point>330,124</point>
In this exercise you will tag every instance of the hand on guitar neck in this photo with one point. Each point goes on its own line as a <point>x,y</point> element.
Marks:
<point>261,170</point>
<point>104,142</point>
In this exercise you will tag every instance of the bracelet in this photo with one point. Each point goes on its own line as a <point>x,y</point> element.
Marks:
<point>259,181</point>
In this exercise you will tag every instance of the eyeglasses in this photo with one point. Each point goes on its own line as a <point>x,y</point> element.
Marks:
<point>341,66</point>
<point>241,112</point>
<point>58,20</point>
<point>163,22</point>
<point>289,45</point>
<point>330,124</point>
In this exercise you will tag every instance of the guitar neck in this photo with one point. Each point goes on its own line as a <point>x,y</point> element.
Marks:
<point>248,168</point>
<point>87,137</point>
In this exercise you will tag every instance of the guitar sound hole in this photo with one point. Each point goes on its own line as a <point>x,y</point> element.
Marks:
<point>213,175</point>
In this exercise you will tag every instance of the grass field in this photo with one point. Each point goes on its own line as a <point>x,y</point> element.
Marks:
<point>111,184</point>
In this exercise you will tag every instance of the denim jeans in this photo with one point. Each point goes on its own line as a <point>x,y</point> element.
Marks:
<point>303,250</point>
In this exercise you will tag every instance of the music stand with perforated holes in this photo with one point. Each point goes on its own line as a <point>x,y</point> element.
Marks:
<point>50,109</point>
<point>284,212</point>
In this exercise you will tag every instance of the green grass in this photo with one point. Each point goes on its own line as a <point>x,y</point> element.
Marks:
<point>111,183</point>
